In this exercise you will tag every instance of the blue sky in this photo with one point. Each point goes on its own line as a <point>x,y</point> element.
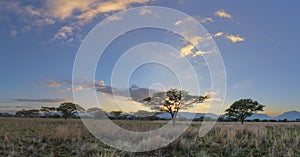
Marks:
<point>39,41</point>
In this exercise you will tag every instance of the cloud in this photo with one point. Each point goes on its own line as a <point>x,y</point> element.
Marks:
<point>87,85</point>
<point>218,34</point>
<point>32,11</point>
<point>62,9</point>
<point>136,93</point>
<point>41,100</point>
<point>64,32</point>
<point>26,29</point>
<point>189,50</point>
<point>114,18</point>
<point>86,12</point>
<point>79,88</point>
<point>51,83</point>
<point>101,83</point>
<point>235,38</point>
<point>32,15</point>
<point>223,14</point>
<point>64,91</point>
<point>204,19</point>
<point>178,22</point>
<point>13,33</point>
<point>16,107</point>
<point>66,86</point>
<point>212,97</point>
<point>145,11</point>
<point>198,18</point>
<point>76,13</point>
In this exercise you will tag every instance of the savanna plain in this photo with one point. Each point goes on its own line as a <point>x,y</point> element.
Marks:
<point>69,137</point>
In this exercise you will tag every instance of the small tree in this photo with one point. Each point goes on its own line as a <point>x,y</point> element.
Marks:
<point>97,112</point>
<point>116,114</point>
<point>68,109</point>
<point>27,113</point>
<point>47,110</point>
<point>173,100</point>
<point>243,108</point>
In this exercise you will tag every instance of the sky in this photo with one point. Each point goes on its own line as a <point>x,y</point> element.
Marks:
<point>39,40</point>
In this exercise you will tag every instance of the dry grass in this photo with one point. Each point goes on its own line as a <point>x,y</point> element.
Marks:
<point>59,137</point>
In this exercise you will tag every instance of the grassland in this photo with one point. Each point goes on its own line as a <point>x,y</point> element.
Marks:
<point>60,137</point>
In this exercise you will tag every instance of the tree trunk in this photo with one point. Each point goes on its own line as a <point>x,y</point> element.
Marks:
<point>174,119</point>
<point>242,117</point>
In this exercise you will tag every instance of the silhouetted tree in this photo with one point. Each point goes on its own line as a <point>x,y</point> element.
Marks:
<point>243,108</point>
<point>47,110</point>
<point>68,109</point>
<point>27,113</point>
<point>172,101</point>
<point>97,112</point>
<point>116,114</point>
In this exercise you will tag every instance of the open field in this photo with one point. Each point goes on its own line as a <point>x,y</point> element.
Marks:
<point>60,137</point>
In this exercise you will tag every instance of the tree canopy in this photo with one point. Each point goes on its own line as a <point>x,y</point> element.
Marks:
<point>243,108</point>
<point>68,109</point>
<point>172,101</point>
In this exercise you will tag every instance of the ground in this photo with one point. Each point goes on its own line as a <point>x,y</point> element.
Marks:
<point>60,137</point>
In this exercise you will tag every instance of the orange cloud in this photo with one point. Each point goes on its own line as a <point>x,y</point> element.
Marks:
<point>63,9</point>
<point>86,11</point>
<point>64,91</point>
<point>189,50</point>
<point>223,14</point>
<point>64,32</point>
<point>235,38</point>
<point>218,34</point>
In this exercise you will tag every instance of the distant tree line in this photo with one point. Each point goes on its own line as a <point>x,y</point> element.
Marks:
<point>66,109</point>
<point>169,102</point>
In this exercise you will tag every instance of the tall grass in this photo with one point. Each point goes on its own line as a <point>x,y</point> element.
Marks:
<point>59,137</point>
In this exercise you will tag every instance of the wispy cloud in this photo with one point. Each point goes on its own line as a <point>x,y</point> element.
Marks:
<point>66,86</point>
<point>134,92</point>
<point>145,11</point>
<point>190,50</point>
<point>197,18</point>
<point>64,91</point>
<point>52,83</point>
<point>223,14</point>
<point>187,50</point>
<point>41,100</point>
<point>235,38</point>
<point>204,19</point>
<point>64,33</point>
<point>7,107</point>
<point>13,33</point>
<point>218,34</point>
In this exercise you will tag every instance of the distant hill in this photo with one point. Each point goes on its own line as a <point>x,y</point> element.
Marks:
<point>290,115</point>
<point>261,117</point>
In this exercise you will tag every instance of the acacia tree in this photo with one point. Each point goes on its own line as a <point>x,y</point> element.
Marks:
<point>27,113</point>
<point>243,108</point>
<point>47,110</point>
<point>116,114</point>
<point>172,101</point>
<point>97,112</point>
<point>68,109</point>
